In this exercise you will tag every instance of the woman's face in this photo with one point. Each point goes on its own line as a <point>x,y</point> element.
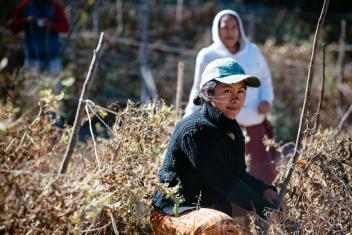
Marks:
<point>229,98</point>
<point>229,31</point>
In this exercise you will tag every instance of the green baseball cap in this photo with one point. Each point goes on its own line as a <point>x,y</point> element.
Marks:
<point>227,70</point>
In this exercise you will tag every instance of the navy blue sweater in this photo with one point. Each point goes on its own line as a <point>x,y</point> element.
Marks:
<point>206,156</point>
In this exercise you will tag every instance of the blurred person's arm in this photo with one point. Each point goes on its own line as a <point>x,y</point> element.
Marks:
<point>19,20</point>
<point>266,88</point>
<point>60,24</point>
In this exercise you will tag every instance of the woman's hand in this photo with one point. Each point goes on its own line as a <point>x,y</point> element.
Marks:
<point>31,19</point>
<point>271,196</point>
<point>43,23</point>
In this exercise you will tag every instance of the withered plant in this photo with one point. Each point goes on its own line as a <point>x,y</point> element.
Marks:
<point>319,195</point>
<point>115,197</point>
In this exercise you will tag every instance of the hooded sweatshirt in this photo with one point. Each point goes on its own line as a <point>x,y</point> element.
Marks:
<point>250,58</point>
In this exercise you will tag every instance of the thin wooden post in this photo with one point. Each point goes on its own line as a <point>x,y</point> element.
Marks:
<point>321,97</point>
<point>295,156</point>
<point>96,17</point>
<point>119,17</point>
<point>340,62</point>
<point>179,90</point>
<point>144,56</point>
<point>343,119</point>
<point>86,86</point>
<point>179,12</point>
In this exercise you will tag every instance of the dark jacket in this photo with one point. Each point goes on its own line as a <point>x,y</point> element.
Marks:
<point>41,43</point>
<point>206,155</point>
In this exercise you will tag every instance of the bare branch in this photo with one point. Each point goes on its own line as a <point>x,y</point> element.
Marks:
<point>343,119</point>
<point>321,97</point>
<point>295,156</point>
<point>179,91</point>
<point>86,86</point>
<point>340,60</point>
<point>113,221</point>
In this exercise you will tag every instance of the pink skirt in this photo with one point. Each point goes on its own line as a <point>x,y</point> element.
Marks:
<point>262,162</point>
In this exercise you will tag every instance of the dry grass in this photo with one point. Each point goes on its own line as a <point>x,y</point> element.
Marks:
<point>34,199</point>
<point>320,191</point>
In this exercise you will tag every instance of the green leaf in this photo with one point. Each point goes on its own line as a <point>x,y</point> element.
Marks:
<point>16,109</point>
<point>175,209</point>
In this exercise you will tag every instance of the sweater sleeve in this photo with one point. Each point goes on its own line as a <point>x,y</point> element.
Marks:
<point>256,184</point>
<point>60,25</point>
<point>18,21</point>
<point>199,68</point>
<point>266,88</point>
<point>207,157</point>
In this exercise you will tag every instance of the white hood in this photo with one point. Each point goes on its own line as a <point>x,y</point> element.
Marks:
<point>252,61</point>
<point>215,29</point>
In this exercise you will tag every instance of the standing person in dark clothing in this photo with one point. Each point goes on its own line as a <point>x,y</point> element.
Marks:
<point>205,157</point>
<point>42,21</point>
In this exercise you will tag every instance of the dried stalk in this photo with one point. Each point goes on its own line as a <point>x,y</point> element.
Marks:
<point>21,141</point>
<point>119,17</point>
<point>95,229</point>
<point>9,145</point>
<point>321,97</point>
<point>24,172</point>
<point>179,12</point>
<point>179,90</point>
<point>115,152</point>
<point>113,40</point>
<point>340,59</point>
<point>343,119</point>
<point>345,90</point>
<point>79,114</point>
<point>113,222</point>
<point>90,228</point>
<point>92,134</point>
<point>304,108</point>
<point>106,110</point>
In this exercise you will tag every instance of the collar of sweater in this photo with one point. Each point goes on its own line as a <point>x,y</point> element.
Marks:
<point>217,118</point>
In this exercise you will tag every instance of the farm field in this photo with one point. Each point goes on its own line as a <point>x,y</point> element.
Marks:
<point>112,174</point>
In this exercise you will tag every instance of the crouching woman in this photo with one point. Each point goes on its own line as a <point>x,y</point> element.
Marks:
<point>205,159</point>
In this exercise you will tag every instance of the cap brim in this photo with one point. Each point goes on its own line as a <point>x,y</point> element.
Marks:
<point>250,80</point>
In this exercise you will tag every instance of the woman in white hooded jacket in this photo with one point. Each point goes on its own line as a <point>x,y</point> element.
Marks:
<point>230,41</point>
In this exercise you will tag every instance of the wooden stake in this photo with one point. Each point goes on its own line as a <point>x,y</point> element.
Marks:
<point>340,62</point>
<point>321,97</point>
<point>119,17</point>
<point>179,91</point>
<point>304,108</point>
<point>86,86</point>
<point>343,119</point>
<point>179,12</point>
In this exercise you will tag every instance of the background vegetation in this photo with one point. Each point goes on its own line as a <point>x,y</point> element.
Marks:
<point>90,198</point>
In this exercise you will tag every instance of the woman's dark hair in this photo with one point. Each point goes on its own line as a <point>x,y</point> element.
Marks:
<point>207,88</point>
